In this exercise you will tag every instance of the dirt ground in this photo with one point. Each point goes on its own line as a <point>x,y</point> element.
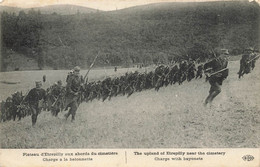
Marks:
<point>173,117</point>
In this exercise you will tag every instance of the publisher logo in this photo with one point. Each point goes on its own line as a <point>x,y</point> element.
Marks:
<point>248,158</point>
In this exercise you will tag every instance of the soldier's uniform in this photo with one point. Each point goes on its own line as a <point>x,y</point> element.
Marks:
<point>74,86</point>
<point>217,76</point>
<point>199,72</point>
<point>35,99</point>
<point>254,57</point>
<point>69,74</point>
<point>56,94</point>
<point>44,78</point>
<point>191,70</point>
<point>183,71</point>
<point>245,65</point>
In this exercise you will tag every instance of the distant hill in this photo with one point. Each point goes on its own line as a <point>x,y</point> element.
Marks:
<point>64,9</point>
<point>10,9</point>
<point>58,9</point>
<point>149,34</point>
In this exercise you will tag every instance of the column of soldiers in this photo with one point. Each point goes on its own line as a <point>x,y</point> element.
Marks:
<point>58,98</point>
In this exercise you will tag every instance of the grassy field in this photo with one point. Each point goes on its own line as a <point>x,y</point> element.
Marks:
<point>173,117</point>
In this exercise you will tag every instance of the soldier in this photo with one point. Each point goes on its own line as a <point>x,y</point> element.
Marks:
<point>182,71</point>
<point>218,73</point>
<point>8,109</point>
<point>73,89</point>
<point>200,71</point>
<point>254,57</point>
<point>35,98</point>
<point>44,78</point>
<point>3,111</point>
<point>56,95</point>
<point>17,99</point>
<point>69,74</point>
<point>245,65</point>
<point>191,70</point>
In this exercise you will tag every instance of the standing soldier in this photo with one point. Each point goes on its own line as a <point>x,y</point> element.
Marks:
<point>73,88</point>
<point>35,98</point>
<point>44,78</point>
<point>218,73</point>
<point>245,65</point>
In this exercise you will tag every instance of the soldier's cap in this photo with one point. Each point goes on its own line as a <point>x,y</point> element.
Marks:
<point>225,51</point>
<point>59,82</point>
<point>249,49</point>
<point>76,69</point>
<point>38,83</point>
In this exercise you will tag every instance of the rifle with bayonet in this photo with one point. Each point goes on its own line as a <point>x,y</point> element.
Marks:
<point>92,64</point>
<point>253,59</point>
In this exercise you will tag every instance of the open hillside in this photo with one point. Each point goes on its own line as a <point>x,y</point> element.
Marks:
<point>146,34</point>
<point>173,117</point>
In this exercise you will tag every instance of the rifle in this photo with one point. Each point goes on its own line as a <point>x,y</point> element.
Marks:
<point>214,54</point>
<point>253,59</point>
<point>18,110</point>
<point>56,100</point>
<point>214,73</point>
<point>59,96</point>
<point>90,67</point>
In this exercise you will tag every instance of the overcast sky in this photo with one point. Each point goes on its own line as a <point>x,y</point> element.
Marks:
<point>96,4</point>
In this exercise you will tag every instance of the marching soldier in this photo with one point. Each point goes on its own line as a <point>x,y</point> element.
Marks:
<point>35,98</point>
<point>245,65</point>
<point>218,73</point>
<point>73,88</point>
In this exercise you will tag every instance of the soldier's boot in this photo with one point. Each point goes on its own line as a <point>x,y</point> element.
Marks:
<point>67,115</point>
<point>214,94</point>
<point>19,118</point>
<point>73,118</point>
<point>211,96</point>
<point>57,112</point>
<point>207,100</point>
<point>34,119</point>
<point>239,74</point>
<point>73,115</point>
<point>73,110</point>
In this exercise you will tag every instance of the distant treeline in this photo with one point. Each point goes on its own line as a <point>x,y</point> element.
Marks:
<point>148,34</point>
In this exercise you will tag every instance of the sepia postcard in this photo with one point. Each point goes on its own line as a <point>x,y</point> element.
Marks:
<point>130,83</point>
